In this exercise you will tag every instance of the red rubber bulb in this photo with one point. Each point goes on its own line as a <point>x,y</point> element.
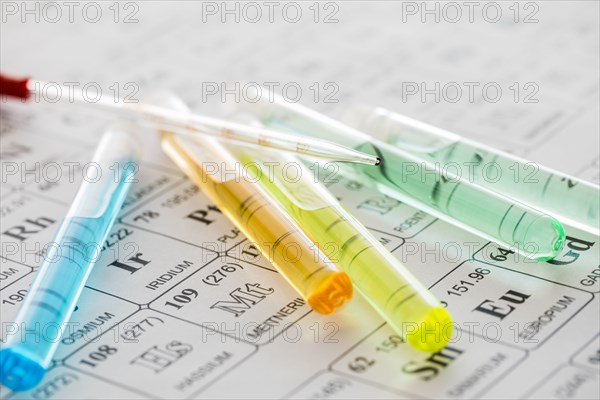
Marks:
<point>14,87</point>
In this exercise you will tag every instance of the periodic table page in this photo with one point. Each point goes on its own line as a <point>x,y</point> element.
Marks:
<point>181,305</point>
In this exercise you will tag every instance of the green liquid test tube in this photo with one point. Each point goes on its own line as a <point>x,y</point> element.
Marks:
<point>569,199</point>
<point>424,185</point>
<point>404,303</point>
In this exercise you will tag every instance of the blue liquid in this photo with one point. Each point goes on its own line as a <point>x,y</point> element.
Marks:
<point>56,289</point>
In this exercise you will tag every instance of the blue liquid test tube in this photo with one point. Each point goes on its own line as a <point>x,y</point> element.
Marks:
<point>66,266</point>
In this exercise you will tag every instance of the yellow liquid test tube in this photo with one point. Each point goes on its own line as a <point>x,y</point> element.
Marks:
<point>404,303</point>
<point>324,287</point>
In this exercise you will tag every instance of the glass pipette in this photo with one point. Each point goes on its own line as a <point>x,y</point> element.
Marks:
<point>187,124</point>
<point>424,185</point>
<point>410,309</point>
<point>324,287</point>
<point>69,261</point>
<point>569,199</point>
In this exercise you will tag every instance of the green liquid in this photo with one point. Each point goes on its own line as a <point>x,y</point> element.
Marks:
<point>568,199</point>
<point>417,181</point>
<point>534,234</point>
<point>422,184</point>
<point>555,193</point>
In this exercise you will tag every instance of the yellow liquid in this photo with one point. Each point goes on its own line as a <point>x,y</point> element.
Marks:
<point>304,266</point>
<point>408,306</point>
<point>400,298</point>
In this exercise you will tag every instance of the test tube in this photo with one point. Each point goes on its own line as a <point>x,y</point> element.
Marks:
<point>422,184</point>
<point>567,198</point>
<point>71,255</point>
<point>324,287</point>
<point>403,302</point>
